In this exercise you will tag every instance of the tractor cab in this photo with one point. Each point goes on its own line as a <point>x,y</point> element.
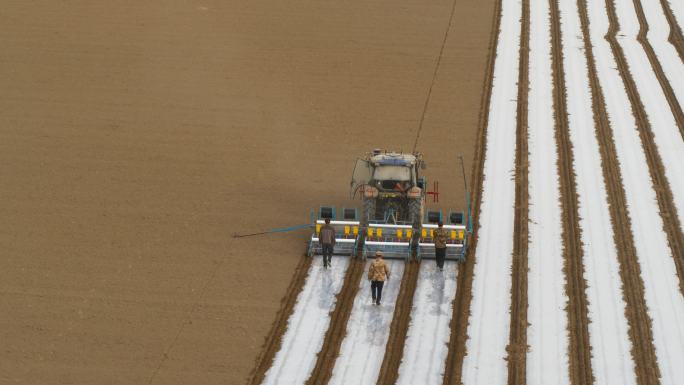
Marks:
<point>393,172</point>
<point>388,172</point>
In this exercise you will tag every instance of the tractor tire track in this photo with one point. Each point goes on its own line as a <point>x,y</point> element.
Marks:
<point>580,369</point>
<point>668,211</point>
<point>394,350</point>
<point>675,38</point>
<point>657,68</point>
<point>453,371</point>
<point>640,331</point>
<point>338,324</point>
<point>275,336</point>
<point>517,345</point>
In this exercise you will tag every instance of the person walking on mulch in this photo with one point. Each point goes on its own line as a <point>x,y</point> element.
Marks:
<point>378,273</point>
<point>440,238</point>
<point>326,237</point>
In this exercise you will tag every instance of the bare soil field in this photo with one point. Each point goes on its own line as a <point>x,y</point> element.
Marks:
<point>136,138</point>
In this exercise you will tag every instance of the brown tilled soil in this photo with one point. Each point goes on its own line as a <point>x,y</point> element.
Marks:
<point>579,359</point>
<point>389,370</point>
<point>643,352</point>
<point>517,344</point>
<point>137,137</point>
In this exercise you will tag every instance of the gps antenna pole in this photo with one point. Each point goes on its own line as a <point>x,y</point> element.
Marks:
<point>467,196</point>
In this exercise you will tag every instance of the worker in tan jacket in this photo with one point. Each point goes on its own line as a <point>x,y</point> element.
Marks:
<point>378,273</point>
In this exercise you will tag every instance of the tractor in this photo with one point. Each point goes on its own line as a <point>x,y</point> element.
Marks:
<point>393,217</point>
<point>392,189</point>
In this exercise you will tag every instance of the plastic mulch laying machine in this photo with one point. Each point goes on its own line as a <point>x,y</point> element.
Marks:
<point>393,217</point>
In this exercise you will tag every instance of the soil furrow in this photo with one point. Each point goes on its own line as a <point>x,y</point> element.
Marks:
<point>394,350</point>
<point>275,336</point>
<point>517,345</point>
<point>464,295</point>
<point>675,38</point>
<point>580,369</point>
<point>338,324</point>
<point>668,211</point>
<point>658,69</point>
<point>640,332</point>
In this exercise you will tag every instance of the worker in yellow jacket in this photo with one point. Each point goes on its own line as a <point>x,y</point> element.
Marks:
<point>378,273</point>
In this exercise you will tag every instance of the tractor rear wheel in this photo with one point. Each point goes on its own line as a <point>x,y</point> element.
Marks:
<point>416,211</point>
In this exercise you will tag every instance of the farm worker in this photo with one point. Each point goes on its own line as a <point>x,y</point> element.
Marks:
<point>326,237</point>
<point>440,238</point>
<point>401,186</point>
<point>378,272</point>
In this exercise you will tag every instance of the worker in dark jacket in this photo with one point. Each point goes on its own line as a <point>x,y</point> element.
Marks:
<point>326,237</point>
<point>440,238</point>
<point>378,272</point>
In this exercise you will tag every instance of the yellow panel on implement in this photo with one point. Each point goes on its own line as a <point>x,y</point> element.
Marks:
<point>394,240</point>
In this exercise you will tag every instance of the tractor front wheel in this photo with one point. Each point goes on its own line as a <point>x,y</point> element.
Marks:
<point>368,211</point>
